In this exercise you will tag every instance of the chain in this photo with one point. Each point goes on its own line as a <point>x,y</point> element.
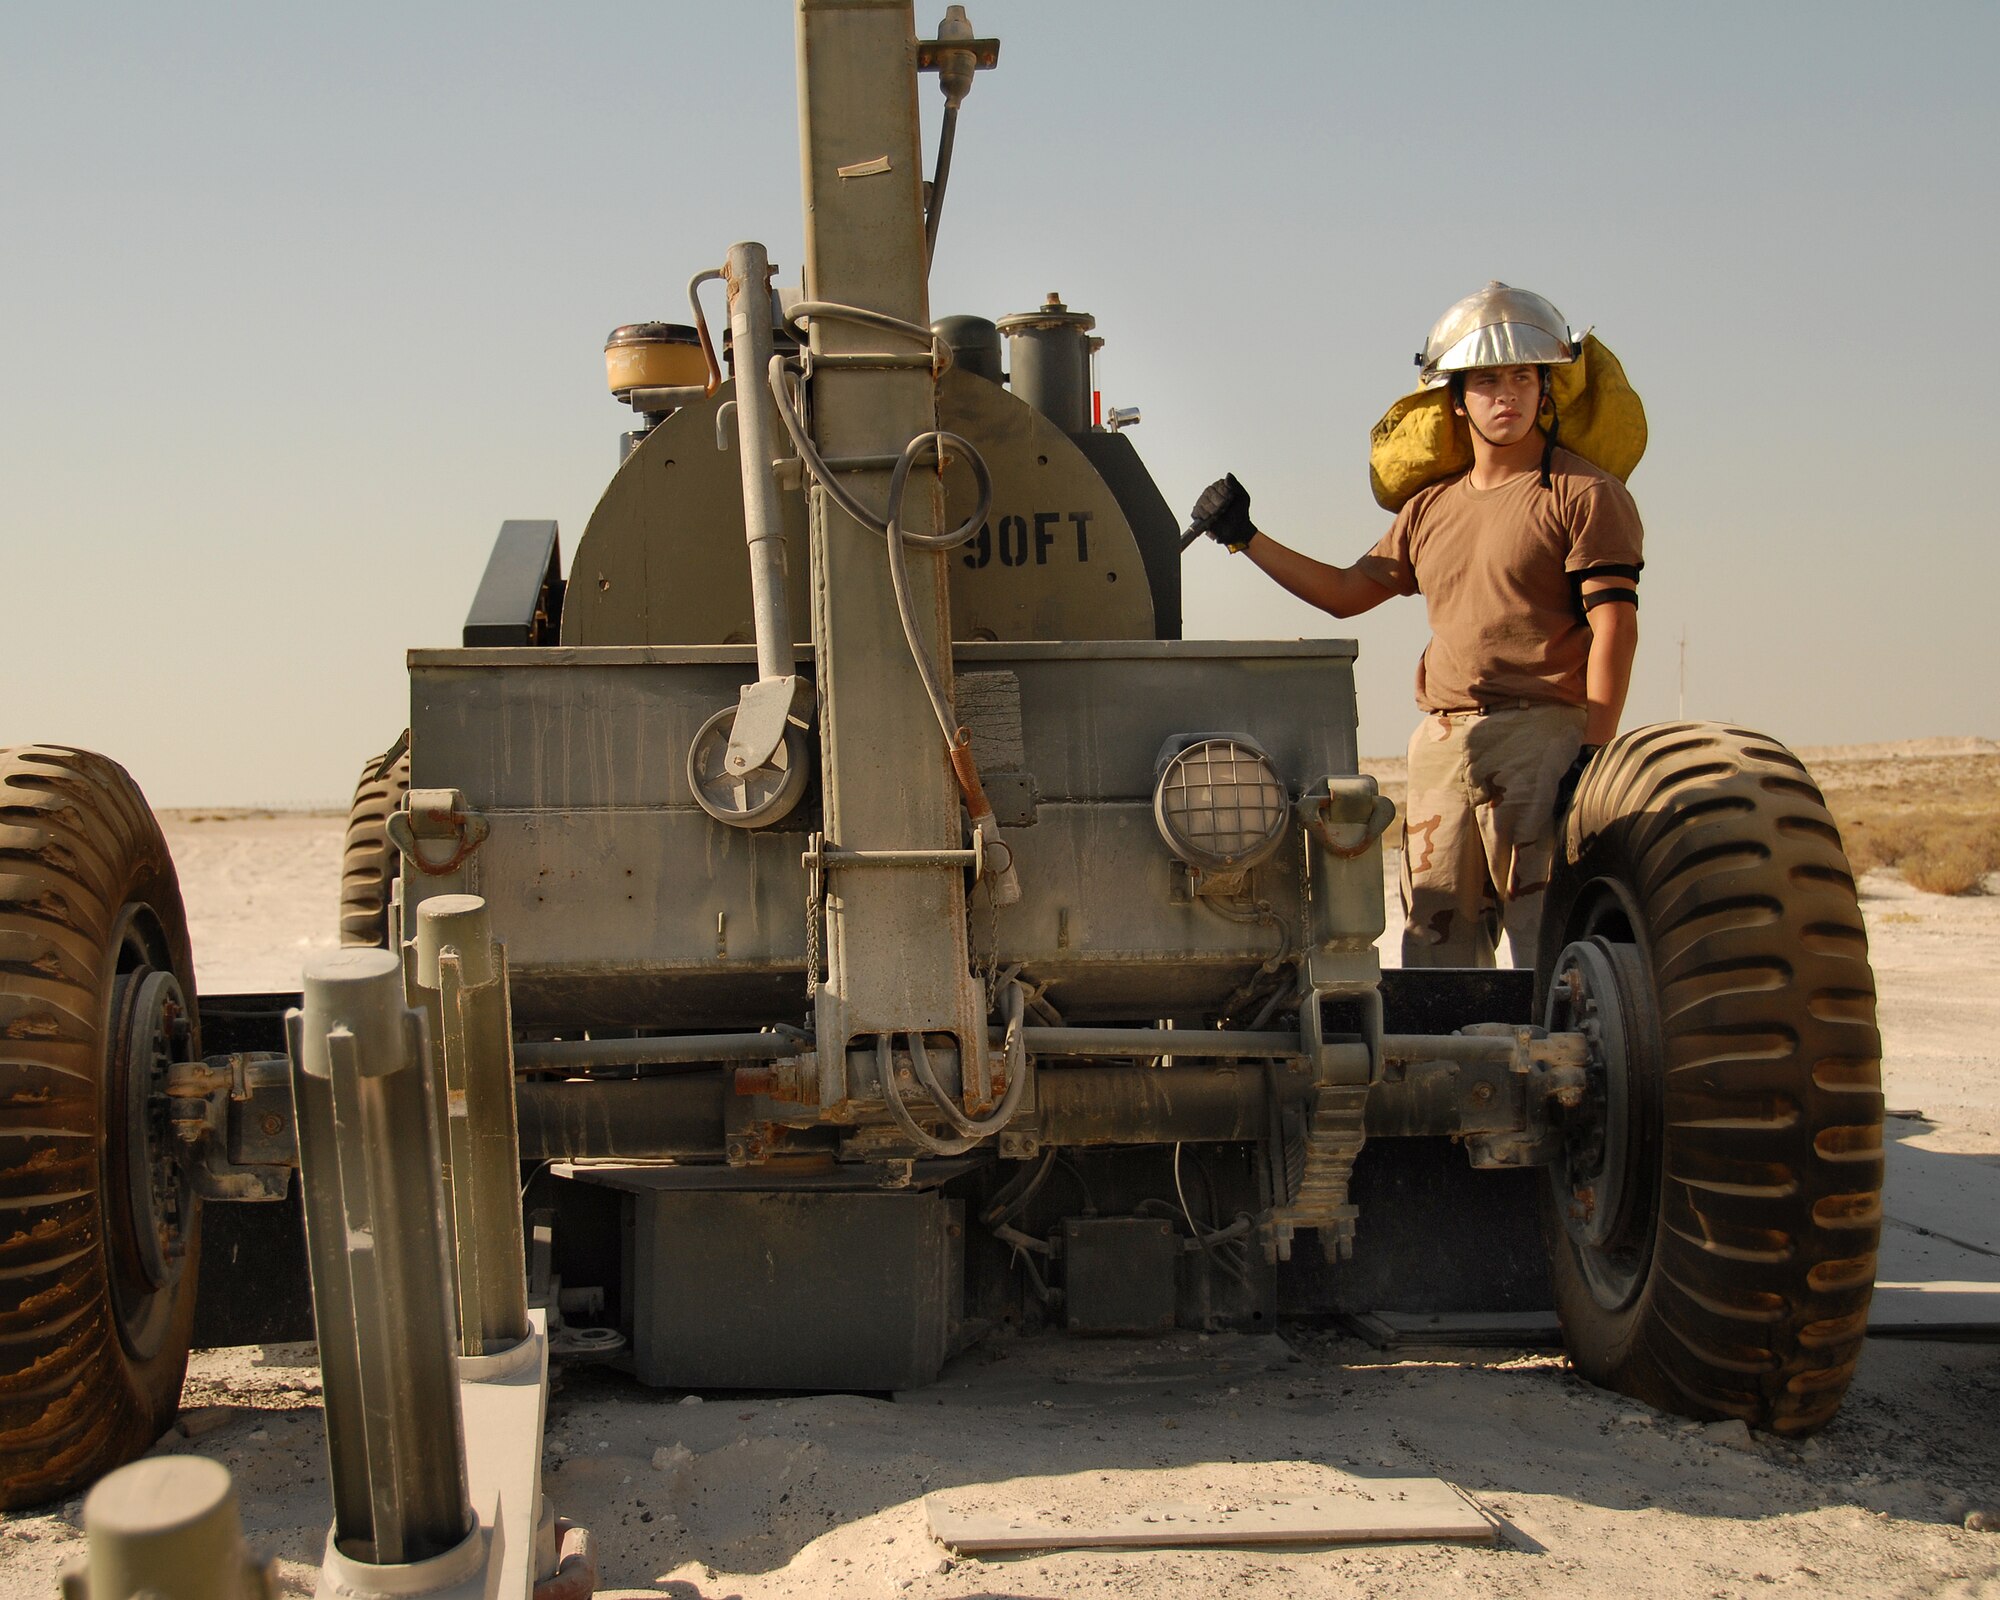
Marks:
<point>992,948</point>
<point>1305,888</point>
<point>814,911</point>
<point>987,971</point>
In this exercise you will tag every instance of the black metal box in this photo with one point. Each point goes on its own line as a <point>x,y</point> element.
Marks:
<point>1118,1274</point>
<point>799,1290</point>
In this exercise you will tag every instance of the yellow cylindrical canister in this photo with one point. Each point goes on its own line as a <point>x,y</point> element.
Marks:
<point>653,355</point>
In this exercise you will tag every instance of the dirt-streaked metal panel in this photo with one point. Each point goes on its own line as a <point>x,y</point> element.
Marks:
<point>622,904</point>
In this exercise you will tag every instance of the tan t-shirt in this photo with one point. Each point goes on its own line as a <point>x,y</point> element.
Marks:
<point>1498,570</point>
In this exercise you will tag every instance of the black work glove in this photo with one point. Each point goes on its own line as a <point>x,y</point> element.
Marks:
<point>1566,784</point>
<point>1223,513</point>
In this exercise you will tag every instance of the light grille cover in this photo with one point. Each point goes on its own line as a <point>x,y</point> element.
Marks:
<point>1220,805</point>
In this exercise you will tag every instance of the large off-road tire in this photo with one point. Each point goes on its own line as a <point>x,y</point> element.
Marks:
<point>99,1225</point>
<point>367,859</point>
<point>1731,1169</point>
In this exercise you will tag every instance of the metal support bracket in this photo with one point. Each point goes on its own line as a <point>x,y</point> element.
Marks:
<point>670,398</point>
<point>1552,1072</point>
<point>821,857</point>
<point>985,53</point>
<point>870,361</point>
<point>764,710</point>
<point>233,1113</point>
<point>1341,1077</point>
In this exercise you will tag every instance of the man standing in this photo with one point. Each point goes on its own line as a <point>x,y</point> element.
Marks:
<point>1528,564</point>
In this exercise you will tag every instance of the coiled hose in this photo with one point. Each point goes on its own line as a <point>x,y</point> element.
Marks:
<point>1014,1050</point>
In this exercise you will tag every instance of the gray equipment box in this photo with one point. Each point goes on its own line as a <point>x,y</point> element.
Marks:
<point>620,900</point>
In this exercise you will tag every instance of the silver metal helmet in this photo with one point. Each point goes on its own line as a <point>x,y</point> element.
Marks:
<point>1497,327</point>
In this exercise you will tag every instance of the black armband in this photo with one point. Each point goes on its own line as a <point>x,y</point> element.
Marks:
<point>1581,603</point>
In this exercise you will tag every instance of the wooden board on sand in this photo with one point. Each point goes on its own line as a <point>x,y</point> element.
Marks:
<point>1379,1511</point>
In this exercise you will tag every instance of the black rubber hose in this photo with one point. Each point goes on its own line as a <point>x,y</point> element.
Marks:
<point>938,179</point>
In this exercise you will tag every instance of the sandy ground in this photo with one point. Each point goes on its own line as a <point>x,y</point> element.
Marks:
<point>701,1498</point>
<point>262,891</point>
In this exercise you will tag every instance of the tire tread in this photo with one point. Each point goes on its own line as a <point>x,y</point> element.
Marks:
<point>77,843</point>
<point>366,864</point>
<point>1771,1194</point>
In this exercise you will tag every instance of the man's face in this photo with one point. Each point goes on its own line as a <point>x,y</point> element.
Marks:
<point>1502,402</point>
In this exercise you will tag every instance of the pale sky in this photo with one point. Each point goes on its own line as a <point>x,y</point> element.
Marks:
<point>300,304</point>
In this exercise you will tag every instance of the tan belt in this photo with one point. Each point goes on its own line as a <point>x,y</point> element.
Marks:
<point>1501,705</point>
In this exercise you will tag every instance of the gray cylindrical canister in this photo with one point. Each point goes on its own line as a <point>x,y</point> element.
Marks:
<point>1048,355</point>
<point>975,345</point>
<point>166,1526</point>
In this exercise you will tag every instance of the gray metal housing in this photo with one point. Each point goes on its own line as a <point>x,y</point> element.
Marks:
<point>624,905</point>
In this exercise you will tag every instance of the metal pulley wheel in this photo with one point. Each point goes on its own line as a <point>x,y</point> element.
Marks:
<point>754,799</point>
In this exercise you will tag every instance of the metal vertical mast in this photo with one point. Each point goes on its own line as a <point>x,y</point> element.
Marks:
<point>896,953</point>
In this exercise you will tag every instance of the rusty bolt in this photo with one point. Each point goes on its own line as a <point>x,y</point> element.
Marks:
<point>273,1123</point>
<point>781,1082</point>
<point>756,1080</point>
<point>1481,1093</point>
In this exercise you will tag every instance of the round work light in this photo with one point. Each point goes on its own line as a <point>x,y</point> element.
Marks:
<point>1220,805</point>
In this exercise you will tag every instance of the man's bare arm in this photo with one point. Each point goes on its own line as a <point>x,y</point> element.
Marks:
<point>1614,639</point>
<point>1342,591</point>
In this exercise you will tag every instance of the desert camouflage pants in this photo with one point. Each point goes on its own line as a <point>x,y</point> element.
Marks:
<point>1481,830</point>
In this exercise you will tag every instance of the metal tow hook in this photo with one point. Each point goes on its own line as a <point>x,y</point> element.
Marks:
<point>437,814</point>
<point>1346,814</point>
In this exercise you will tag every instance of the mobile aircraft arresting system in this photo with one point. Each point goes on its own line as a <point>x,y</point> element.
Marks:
<point>908,933</point>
